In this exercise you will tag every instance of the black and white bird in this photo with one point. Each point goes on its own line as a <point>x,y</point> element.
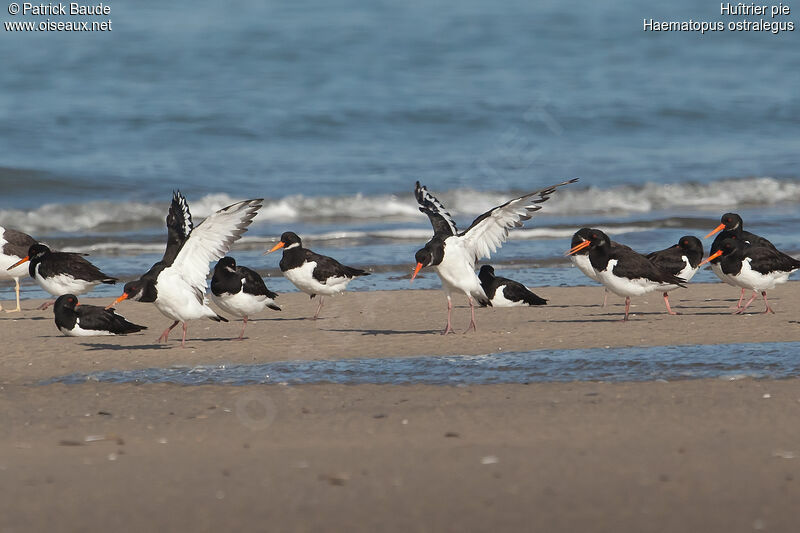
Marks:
<point>14,245</point>
<point>581,258</point>
<point>177,287</point>
<point>80,320</point>
<point>624,271</point>
<point>240,291</point>
<point>62,273</point>
<point>681,259</point>
<point>504,292</point>
<point>732,227</point>
<point>754,267</point>
<point>312,273</point>
<point>453,254</point>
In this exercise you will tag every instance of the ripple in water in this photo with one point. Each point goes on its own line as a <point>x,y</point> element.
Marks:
<point>758,360</point>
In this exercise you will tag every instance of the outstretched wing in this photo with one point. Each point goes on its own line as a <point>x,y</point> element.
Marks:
<point>490,230</point>
<point>440,219</point>
<point>179,226</point>
<point>212,239</point>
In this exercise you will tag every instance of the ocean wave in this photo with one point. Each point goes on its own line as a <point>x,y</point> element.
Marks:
<point>464,203</point>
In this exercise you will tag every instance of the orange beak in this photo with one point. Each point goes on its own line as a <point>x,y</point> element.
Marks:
<point>710,258</point>
<point>118,300</point>
<point>416,271</point>
<point>716,230</point>
<point>276,247</point>
<point>578,247</point>
<point>18,263</point>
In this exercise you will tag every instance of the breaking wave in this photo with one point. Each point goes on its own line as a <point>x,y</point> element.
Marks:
<point>114,217</point>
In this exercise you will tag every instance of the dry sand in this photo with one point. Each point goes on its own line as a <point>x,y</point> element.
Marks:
<point>706,455</point>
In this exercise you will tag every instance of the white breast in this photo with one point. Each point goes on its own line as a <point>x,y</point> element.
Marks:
<point>302,277</point>
<point>750,279</point>
<point>78,331</point>
<point>584,265</point>
<point>63,284</point>
<point>177,299</point>
<point>622,286</point>
<point>241,304</point>
<point>457,269</point>
<point>500,299</point>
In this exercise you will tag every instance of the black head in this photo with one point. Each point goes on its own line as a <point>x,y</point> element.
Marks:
<point>486,270</point>
<point>140,290</point>
<point>689,243</point>
<point>729,246</point>
<point>580,236</point>
<point>288,238</point>
<point>424,257</point>
<point>66,301</point>
<point>227,263</point>
<point>598,238</point>
<point>37,251</point>
<point>732,221</point>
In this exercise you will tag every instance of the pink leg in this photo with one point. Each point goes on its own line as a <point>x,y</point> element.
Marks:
<point>768,309</point>
<point>741,310</point>
<point>165,335</point>
<point>319,308</point>
<point>605,298</point>
<point>46,305</point>
<point>449,328</point>
<point>627,308</point>
<point>241,335</point>
<point>472,325</point>
<point>666,301</point>
<point>739,303</point>
<point>183,339</point>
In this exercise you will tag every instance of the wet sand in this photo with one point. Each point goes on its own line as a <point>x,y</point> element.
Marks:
<point>703,455</point>
<point>397,323</point>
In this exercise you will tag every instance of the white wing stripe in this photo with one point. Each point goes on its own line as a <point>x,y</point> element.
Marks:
<point>211,240</point>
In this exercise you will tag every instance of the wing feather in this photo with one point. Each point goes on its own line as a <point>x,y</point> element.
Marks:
<point>441,220</point>
<point>490,230</point>
<point>211,240</point>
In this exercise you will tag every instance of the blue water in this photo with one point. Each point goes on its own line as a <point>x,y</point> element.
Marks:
<point>730,361</point>
<point>331,111</point>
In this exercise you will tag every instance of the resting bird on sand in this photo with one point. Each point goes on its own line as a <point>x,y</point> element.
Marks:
<point>79,320</point>
<point>504,292</point>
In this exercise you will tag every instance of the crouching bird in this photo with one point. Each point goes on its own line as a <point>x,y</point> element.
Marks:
<point>80,320</point>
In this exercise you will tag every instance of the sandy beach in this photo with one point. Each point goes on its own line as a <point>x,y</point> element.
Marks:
<point>699,455</point>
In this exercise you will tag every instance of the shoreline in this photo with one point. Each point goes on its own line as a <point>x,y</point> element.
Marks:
<point>392,324</point>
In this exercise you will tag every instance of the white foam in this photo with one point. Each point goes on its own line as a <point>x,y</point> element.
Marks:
<point>463,204</point>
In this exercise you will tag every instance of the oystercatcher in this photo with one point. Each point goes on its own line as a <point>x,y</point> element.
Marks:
<point>754,267</point>
<point>79,320</point>
<point>178,288</point>
<point>581,258</point>
<point>732,227</point>
<point>454,254</point>
<point>682,260</point>
<point>504,292</point>
<point>624,271</point>
<point>240,291</point>
<point>14,245</point>
<point>313,273</point>
<point>62,272</point>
